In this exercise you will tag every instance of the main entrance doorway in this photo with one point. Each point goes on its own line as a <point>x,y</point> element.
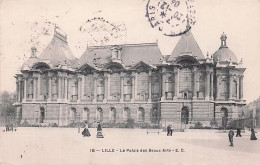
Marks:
<point>184,115</point>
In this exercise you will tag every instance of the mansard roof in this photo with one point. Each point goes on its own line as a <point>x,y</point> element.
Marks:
<point>57,52</point>
<point>130,53</point>
<point>187,45</point>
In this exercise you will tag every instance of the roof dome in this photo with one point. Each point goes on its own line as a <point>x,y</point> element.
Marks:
<point>224,54</point>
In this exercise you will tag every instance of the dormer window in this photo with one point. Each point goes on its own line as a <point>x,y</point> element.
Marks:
<point>116,54</point>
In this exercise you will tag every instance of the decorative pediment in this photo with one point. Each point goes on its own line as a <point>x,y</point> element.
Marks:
<point>40,66</point>
<point>114,67</point>
<point>141,67</point>
<point>186,60</point>
<point>86,69</point>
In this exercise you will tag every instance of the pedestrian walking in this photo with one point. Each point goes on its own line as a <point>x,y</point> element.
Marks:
<point>99,131</point>
<point>238,132</point>
<point>86,132</point>
<point>253,137</point>
<point>230,136</point>
<point>169,130</point>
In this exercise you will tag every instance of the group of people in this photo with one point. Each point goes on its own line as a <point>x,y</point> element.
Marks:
<point>231,134</point>
<point>169,130</point>
<point>9,127</point>
<point>86,132</point>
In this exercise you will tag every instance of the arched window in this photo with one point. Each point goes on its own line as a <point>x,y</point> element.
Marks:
<point>155,87</point>
<point>54,89</point>
<point>224,88</point>
<point>44,86</point>
<point>169,84</point>
<point>99,114</point>
<point>140,114</point>
<point>30,89</point>
<point>202,83</point>
<point>224,117</point>
<point>127,88</point>
<point>127,113</point>
<point>185,79</point>
<point>86,115</point>
<point>73,114</point>
<point>100,89</point>
<point>154,115</point>
<point>113,115</point>
<point>234,89</point>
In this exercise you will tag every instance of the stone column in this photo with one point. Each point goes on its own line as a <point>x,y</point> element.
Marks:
<point>24,89</point>
<point>237,97</point>
<point>106,89</point>
<point>49,88</point>
<point>230,86</point>
<point>65,88</point>
<point>241,87</point>
<point>176,91</point>
<point>69,89</point>
<point>82,87</point>
<point>150,87</point>
<point>39,86</point>
<point>122,88</point>
<point>207,85</point>
<point>163,87</point>
<point>108,86</point>
<point>34,88</point>
<point>79,87</point>
<point>95,89</point>
<point>195,77</point>
<point>217,86</point>
<point>59,88</point>
<point>133,89</point>
<point>211,87</point>
<point>135,93</point>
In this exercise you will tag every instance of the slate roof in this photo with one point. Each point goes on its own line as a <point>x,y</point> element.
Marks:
<point>57,52</point>
<point>187,45</point>
<point>28,64</point>
<point>224,55</point>
<point>129,53</point>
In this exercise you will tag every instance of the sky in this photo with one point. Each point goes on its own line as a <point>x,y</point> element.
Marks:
<point>27,23</point>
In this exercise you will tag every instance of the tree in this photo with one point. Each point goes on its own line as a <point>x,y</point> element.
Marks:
<point>7,109</point>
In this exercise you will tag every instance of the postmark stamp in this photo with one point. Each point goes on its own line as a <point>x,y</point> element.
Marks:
<point>99,31</point>
<point>171,17</point>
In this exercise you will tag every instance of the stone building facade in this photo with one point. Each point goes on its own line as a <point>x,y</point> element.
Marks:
<point>114,83</point>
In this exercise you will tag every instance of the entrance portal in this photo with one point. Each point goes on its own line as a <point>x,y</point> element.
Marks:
<point>42,114</point>
<point>185,115</point>
<point>224,116</point>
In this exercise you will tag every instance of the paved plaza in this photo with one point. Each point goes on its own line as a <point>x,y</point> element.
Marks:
<point>125,146</point>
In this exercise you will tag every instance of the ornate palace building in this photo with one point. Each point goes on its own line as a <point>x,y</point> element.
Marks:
<point>114,83</point>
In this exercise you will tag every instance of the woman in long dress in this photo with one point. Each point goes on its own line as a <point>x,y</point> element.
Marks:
<point>253,137</point>
<point>86,131</point>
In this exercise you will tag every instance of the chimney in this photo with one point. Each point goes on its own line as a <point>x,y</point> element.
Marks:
<point>33,50</point>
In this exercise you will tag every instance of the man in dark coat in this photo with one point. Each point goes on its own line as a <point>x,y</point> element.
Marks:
<point>230,136</point>
<point>168,130</point>
<point>238,132</point>
<point>253,137</point>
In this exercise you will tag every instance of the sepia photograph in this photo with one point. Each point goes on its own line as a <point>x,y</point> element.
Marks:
<point>139,82</point>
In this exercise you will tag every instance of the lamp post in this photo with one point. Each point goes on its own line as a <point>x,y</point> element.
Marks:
<point>78,116</point>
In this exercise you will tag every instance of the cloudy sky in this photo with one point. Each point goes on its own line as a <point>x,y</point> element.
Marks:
<point>24,23</point>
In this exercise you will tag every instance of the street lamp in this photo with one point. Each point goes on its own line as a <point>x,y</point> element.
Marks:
<point>78,116</point>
